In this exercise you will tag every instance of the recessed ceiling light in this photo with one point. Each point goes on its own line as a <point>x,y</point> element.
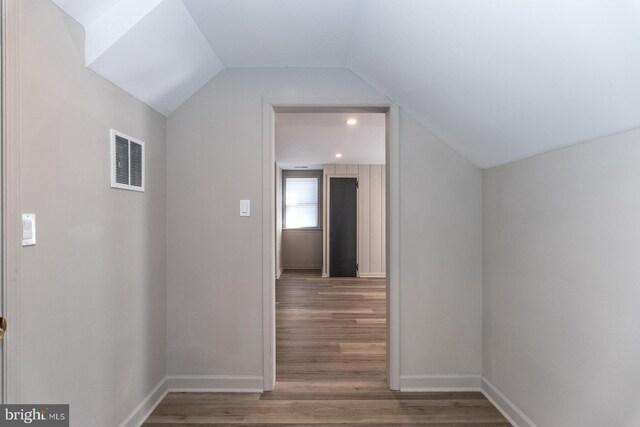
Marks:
<point>352,122</point>
<point>301,167</point>
<point>338,156</point>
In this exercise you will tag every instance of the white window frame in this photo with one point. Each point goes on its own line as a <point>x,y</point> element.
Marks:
<point>112,136</point>
<point>318,203</point>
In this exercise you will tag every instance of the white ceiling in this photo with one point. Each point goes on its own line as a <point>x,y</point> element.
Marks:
<point>162,60</point>
<point>498,80</point>
<point>313,139</point>
<point>88,11</point>
<point>278,33</point>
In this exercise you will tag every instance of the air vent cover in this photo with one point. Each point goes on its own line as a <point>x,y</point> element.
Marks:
<point>127,162</point>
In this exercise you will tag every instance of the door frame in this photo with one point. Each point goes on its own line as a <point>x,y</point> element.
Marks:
<point>327,228</point>
<point>10,211</point>
<point>272,105</point>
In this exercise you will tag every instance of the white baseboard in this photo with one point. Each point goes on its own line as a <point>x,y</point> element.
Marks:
<point>194,383</point>
<point>279,273</point>
<point>509,409</point>
<point>146,407</point>
<point>254,384</point>
<point>440,383</point>
<point>216,383</point>
<point>373,275</point>
<point>302,267</point>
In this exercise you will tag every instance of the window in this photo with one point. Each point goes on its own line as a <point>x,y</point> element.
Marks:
<point>127,162</point>
<point>301,202</point>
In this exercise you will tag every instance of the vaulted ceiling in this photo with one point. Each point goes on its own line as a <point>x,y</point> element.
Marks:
<point>498,80</point>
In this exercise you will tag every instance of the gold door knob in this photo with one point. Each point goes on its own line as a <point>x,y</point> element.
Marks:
<point>3,327</point>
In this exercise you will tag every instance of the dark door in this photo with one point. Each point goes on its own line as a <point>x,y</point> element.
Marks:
<point>343,213</point>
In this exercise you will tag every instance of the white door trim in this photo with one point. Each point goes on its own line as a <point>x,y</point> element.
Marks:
<point>392,225</point>
<point>11,222</point>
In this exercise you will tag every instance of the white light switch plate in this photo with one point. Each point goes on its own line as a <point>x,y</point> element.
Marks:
<point>245,207</point>
<point>28,229</point>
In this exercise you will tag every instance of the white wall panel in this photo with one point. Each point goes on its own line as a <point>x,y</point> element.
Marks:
<point>371,229</point>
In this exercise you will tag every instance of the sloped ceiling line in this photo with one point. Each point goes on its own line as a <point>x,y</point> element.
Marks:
<point>152,49</point>
<point>112,25</point>
<point>498,80</point>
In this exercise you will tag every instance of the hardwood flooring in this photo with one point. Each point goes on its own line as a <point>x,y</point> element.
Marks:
<point>331,356</point>
<point>320,334</point>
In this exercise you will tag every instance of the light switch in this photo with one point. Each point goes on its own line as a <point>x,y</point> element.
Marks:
<point>245,207</point>
<point>28,229</point>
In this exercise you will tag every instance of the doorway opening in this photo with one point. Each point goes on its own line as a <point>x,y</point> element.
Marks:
<point>330,245</point>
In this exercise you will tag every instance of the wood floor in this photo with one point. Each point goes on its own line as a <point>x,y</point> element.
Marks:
<point>330,369</point>
<point>330,329</point>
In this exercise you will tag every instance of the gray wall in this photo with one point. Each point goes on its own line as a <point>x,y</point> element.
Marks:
<point>440,260</point>
<point>215,256</point>
<point>302,249</point>
<point>93,289</point>
<point>561,292</point>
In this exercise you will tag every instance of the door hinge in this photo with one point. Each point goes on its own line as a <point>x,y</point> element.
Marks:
<point>357,269</point>
<point>3,327</point>
<point>357,184</point>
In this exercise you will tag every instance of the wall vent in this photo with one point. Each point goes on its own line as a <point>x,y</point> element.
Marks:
<point>127,162</point>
